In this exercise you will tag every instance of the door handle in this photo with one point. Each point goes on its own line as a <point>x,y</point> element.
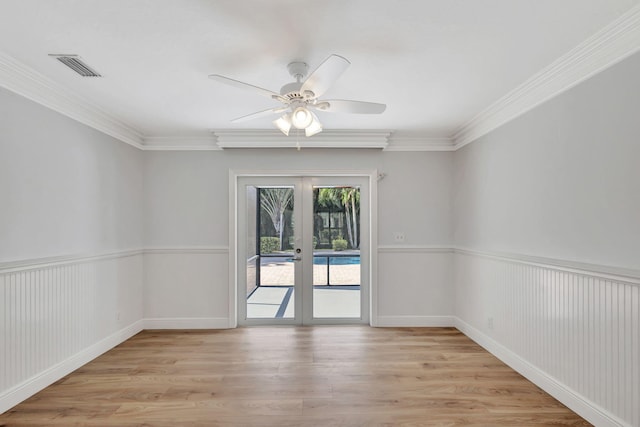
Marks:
<point>297,256</point>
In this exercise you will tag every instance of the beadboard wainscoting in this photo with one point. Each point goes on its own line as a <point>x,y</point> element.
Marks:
<point>58,314</point>
<point>187,288</point>
<point>572,329</point>
<point>414,286</point>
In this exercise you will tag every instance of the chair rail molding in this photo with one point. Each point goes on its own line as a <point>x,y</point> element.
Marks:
<point>217,250</point>
<point>618,274</point>
<point>414,249</point>
<point>39,263</point>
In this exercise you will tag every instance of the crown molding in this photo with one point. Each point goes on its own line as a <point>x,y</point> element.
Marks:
<point>612,44</point>
<point>270,138</point>
<point>274,139</point>
<point>417,143</point>
<point>27,82</point>
<point>180,143</point>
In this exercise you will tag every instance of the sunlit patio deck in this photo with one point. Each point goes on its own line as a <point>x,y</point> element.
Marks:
<point>274,298</point>
<point>272,302</point>
<point>281,274</point>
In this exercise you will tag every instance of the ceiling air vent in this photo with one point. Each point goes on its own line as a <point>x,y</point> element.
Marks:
<point>75,63</point>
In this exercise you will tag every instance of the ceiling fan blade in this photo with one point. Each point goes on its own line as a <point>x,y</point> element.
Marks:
<point>353,107</point>
<point>325,75</point>
<point>259,114</point>
<point>242,85</point>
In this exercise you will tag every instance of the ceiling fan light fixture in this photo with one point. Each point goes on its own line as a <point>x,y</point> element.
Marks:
<point>301,118</point>
<point>314,127</point>
<point>284,124</point>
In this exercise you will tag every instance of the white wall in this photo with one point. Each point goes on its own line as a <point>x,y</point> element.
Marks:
<point>548,210</point>
<point>186,288</point>
<point>186,205</point>
<point>70,238</point>
<point>186,193</point>
<point>64,187</point>
<point>415,286</point>
<point>562,181</point>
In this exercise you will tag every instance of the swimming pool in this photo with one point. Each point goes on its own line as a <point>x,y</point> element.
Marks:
<point>337,260</point>
<point>317,260</point>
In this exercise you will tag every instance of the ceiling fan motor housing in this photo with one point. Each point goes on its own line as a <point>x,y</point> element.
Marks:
<point>298,70</point>
<point>291,91</point>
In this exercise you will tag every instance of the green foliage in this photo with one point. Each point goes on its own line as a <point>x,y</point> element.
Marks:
<point>329,197</point>
<point>275,202</point>
<point>269,245</point>
<point>339,197</point>
<point>348,199</point>
<point>339,244</point>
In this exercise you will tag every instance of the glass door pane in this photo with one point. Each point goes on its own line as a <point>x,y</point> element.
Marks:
<point>270,270</point>
<point>302,257</point>
<point>336,252</point>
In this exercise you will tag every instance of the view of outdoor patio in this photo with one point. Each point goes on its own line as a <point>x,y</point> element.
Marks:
<point>336,261</point>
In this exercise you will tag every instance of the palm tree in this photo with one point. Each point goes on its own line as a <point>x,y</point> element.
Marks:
<point>275,201</point>
<point>349,199</point>
<point>351,196</point>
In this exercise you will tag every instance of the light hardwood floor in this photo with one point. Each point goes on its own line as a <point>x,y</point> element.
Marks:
<point>294,376</point>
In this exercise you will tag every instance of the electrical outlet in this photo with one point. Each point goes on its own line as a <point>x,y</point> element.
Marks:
<point>398,236</point>
<point>490,323</point>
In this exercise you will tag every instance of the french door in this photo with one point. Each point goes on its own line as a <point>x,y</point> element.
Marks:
<point>303,250</point>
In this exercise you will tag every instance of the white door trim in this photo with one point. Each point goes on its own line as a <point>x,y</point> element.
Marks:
<point>234,176</point>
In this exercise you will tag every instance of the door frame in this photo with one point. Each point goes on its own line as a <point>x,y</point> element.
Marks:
<point>370,175</point>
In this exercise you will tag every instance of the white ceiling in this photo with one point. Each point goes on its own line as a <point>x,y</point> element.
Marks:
<point>435,63</point>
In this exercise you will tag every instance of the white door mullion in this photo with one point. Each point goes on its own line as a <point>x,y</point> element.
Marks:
<point>307,251</point>
<point>298,227</point>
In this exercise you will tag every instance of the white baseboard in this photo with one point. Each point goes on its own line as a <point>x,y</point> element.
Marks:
<point>187,323</point>
<point>576,402</point>
<point>415,321</point>
<point>28,388</point>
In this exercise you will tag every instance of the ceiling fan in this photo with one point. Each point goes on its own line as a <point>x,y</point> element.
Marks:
<point>301,97</point>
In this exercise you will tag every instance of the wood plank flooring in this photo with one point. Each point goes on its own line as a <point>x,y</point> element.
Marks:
<point>294,376</point>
